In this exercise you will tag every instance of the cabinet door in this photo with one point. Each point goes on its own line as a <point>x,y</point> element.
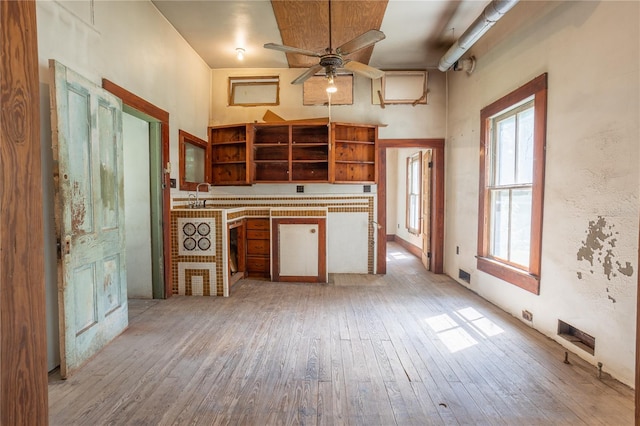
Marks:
<point>299,250</point>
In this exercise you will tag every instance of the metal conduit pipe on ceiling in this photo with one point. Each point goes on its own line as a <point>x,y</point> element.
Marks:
<point>489,16</point>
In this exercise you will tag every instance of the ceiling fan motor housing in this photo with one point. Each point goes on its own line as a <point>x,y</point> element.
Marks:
<point>331,60</point>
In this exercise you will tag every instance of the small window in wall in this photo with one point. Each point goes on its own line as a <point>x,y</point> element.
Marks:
<point>414,191</point>
<point>194,154</point>
<point>512,181</point>
<point>254,91</point>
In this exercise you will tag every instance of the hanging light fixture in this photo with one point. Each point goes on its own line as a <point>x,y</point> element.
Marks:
<point>331,87</point>
<point>239,53</point>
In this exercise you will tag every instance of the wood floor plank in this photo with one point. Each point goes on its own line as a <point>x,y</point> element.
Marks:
<point>406,348</point>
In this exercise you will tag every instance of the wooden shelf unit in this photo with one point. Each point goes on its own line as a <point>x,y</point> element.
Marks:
<point>354,153</point>
<point>229,155</point>
<point>290,153</point>
<point>258,247</point>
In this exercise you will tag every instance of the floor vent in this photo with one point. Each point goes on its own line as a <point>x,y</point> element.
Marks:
<point>578,337</point>
<point>464,276</point>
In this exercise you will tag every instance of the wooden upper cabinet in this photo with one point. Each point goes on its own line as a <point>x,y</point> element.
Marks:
<point>354,153</point>
<point>293,153</point>
<point>230,154</point>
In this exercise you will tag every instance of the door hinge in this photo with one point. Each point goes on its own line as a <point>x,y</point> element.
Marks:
<point>430,164</point>
<point>428,255</point>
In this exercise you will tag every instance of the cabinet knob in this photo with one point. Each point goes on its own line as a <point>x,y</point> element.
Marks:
<point>313,231</point>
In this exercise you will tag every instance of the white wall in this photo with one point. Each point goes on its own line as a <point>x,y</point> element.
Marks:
<point>392,192</point>
<point>131,44</point>
<point>137,206</point>
<point>590,51</point>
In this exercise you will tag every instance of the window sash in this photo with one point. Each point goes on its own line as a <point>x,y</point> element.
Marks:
<point>414,193</point>
<point>510,225</point>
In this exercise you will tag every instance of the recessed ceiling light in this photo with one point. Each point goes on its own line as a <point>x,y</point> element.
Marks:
<point>239,53</point>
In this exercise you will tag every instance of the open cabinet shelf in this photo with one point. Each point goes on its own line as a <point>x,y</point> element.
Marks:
<point>293,153</point>
<point>229,155</point>
<point>354,153</point>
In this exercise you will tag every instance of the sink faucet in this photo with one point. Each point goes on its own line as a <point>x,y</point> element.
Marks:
<point>198,193</point>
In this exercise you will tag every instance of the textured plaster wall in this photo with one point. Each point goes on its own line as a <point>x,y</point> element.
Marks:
<point>590,51</point>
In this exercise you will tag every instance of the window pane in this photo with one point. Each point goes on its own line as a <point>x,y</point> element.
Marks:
<point>520,226</point>
<point>525,146</point>
<point>415,175</point>
<point>413,215</point>
<point>505,151</point>
<point>499,227</point>
<point>194,163</point>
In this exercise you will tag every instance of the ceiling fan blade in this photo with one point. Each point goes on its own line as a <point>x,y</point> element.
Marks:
<point>360,42</point>
<point>307,74</point>
<point>289,49</point>
<point>365,70</point>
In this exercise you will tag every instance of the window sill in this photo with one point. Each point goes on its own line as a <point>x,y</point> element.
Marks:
<point>515,276</point>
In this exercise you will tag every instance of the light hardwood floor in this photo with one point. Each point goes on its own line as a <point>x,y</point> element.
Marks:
<point>406,348</point>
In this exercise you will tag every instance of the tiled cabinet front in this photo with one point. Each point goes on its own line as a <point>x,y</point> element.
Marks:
<point>196,253</point>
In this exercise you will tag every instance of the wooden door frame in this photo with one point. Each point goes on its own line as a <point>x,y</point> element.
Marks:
<point>437,199</point>
<point>162,116</point>
<point>23,364</point>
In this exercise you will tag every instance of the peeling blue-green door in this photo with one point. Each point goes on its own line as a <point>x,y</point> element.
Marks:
<point>87,150</point>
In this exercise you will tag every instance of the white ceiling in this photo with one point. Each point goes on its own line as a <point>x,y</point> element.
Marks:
<point>417,32</point>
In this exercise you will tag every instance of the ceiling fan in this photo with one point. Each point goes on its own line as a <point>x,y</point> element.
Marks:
<point>333,59</point>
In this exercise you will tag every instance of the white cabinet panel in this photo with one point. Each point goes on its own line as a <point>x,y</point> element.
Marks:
<point>298,250</point>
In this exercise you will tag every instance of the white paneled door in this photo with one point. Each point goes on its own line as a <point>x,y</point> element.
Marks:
<point>92,286</point>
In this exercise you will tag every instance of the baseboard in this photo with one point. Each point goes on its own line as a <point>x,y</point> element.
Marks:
<point>411,248</point>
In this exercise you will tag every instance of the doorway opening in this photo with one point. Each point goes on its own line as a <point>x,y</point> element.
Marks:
<point>142,183</point>
<point>159,192</point>
<point>428,244</point>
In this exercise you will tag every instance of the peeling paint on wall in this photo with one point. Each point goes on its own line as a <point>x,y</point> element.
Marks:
<point>598,249</point>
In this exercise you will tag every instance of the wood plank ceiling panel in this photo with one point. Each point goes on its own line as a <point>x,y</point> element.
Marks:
<point>305,24</point>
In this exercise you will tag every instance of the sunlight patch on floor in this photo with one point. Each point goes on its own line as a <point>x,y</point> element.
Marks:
<point>396,255</point>
<point>482,324</point>
<point>450,329</point>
